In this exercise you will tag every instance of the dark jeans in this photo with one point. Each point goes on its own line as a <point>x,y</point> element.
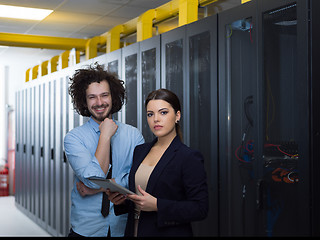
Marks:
<point>74,234</point>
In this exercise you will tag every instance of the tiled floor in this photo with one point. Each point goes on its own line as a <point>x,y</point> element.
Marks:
<point>15,223</point>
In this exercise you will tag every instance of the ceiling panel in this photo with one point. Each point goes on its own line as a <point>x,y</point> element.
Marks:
<point>97,7</point>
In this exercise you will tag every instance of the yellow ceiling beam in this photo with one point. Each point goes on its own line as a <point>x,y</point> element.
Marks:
<point>37,41</point>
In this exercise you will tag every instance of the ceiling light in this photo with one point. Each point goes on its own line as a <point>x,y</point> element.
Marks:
<point>23,12</point>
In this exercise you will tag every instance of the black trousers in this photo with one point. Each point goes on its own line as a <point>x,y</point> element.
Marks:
<point>74,234</point>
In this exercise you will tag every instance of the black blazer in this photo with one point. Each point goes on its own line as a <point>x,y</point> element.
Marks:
<point>178,181</point>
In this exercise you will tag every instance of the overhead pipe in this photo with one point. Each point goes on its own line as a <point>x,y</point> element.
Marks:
<point>36,41</point>
<point>44,68</point>
<point>54,63</point>
<point>28,75</point>
<point>188,11</point>
<point>35,71</point>
<point>142,25</point>
<point>64,59</point>
<point>92,46</point>
<point>113,38</point>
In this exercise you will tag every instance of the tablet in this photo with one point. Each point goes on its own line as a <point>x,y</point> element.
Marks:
<point>109,184</point>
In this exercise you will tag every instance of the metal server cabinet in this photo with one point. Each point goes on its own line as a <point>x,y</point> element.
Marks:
<point>150,77</point>
<point>72,121</point>
<point>29,160</point>
<point>67,172</point>
<point>33,156</point>
<point>64,184</point>
<point>36,151</point>
<point>67,175</point>
<point>237,121</point>
<point>114,65</point>
<point>131,77</point>
<point>18,150</point>
<point>25,142</point>
<point>201,118</point>
<point>47,154</point>
<point>267,125</point>
<point>189,67</point>
<point>58,160</point>
<point>288,117</point>
<point>41,149</point>
<point>42,146</point>
<point>173,74</point>
<point>51,177</point>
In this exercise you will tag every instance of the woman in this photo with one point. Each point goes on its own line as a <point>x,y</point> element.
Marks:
<point>168,177</point>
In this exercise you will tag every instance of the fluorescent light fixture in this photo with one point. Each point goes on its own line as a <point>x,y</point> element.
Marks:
<point>7,11</point>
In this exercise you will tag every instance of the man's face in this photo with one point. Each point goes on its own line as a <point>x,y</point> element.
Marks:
<point>99,100</point>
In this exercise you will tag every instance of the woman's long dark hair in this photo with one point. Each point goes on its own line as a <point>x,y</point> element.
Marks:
<point>169,97</point>
<point>95,73</point>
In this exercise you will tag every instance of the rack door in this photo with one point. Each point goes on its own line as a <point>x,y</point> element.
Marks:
<point>237,120</point>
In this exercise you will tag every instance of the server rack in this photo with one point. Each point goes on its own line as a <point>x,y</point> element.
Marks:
<point>36,151</point>
<point>202,110</point>
<point>114,64</point>
<point>173,63</point>
<point>237,80</point>
<point>41,219</point>
<point>150,77</point>
<point>131,77</point>
<point>265,119</point>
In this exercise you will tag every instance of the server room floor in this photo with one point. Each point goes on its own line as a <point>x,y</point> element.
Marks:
<point>15,223</point>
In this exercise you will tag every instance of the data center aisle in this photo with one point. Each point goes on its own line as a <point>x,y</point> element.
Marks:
<point>14,223</point>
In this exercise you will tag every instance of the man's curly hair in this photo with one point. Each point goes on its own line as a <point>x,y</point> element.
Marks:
<point>95,73</point>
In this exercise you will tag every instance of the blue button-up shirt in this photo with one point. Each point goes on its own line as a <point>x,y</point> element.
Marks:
<point>80,146</point>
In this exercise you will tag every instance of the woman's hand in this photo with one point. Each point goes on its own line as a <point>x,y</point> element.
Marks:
<point>146,202</point>
<point>84,190</point>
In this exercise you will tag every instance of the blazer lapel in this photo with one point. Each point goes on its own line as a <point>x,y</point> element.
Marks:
<point>164,160</point>
<point>137,161</point>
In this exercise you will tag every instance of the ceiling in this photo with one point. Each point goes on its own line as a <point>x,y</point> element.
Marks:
<point>76,19</point>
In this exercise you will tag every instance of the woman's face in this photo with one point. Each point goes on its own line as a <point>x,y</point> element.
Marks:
<point>161,118</point>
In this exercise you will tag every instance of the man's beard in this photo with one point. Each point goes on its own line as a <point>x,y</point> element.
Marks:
<point>102,116</point>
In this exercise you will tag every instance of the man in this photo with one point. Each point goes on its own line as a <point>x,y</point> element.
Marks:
<point>98,94</point>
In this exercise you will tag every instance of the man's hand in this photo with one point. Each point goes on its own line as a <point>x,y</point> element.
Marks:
<point>108,128</point>
<point>84,190</point>
<point>115,197</point>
